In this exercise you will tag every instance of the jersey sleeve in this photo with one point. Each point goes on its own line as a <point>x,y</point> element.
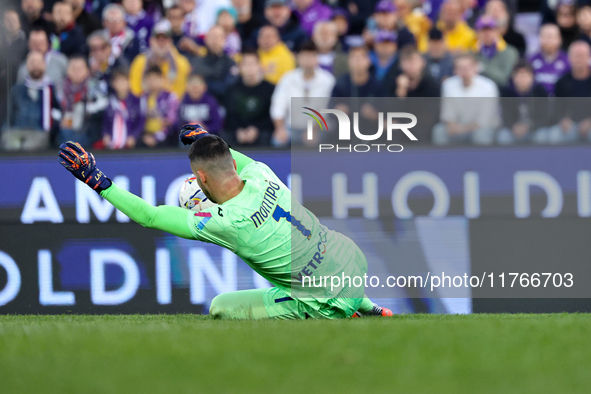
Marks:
<point>167,218</point>
<point>213,225</point>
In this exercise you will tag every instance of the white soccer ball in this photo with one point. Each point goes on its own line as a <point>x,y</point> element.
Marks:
<point>192,197</point>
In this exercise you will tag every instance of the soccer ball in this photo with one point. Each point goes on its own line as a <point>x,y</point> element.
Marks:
<point>192,197</point>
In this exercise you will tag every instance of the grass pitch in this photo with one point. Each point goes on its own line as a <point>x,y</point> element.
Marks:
<point>195,354</point>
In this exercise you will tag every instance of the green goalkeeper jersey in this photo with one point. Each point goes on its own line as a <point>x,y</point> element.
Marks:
<point>268,229</point>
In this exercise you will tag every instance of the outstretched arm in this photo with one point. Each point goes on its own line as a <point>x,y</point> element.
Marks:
<point>167,218</point>
<point>82,165</point>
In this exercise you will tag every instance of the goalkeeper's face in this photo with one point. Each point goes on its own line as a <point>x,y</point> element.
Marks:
<point>205,189</point>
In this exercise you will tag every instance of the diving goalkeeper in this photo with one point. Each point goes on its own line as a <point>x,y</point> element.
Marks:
<point>259,221</point>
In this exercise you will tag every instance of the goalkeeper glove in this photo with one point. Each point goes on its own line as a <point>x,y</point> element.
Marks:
<point>83,166</point>
<point>191,132</point>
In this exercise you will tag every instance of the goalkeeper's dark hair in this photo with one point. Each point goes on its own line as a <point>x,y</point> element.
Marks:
<point>211,149</point>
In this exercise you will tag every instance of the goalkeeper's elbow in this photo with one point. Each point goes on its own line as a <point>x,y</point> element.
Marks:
<point>146,221</point>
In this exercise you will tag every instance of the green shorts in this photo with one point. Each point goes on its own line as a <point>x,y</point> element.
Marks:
<point>280,305</point>
<point>277,304</point>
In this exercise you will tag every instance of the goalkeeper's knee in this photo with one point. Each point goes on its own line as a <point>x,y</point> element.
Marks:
<point>238,305</point>
<point>220,308</point>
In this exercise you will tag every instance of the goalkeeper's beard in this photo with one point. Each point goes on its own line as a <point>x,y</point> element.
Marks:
<point>205,191</point>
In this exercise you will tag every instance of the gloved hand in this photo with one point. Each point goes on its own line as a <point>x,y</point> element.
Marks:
<point>191,132</point>
<point>83,166</point>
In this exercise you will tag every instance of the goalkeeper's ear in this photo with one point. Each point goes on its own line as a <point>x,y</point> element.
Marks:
<point>202,176</point>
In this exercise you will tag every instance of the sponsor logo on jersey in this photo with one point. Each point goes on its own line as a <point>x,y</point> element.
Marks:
<point>317,258</point>
<point>206,217</point>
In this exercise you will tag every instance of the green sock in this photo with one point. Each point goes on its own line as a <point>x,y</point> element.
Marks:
<point>366,305</point>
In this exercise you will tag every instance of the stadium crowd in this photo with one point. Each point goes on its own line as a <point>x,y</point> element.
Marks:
<point>123,75</point>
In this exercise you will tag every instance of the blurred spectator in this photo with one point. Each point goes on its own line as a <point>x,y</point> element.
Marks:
<point>278,14</point>
<point>550,63</point>
<point>498,10</point>
<point>175,67</point>
<point>248,23</point>
<point>161,109</point>
<point>96,7</point>
<point>187,45</point>
<point>124,118</point>
<point>13,49</point>
<point>383,57</point>
<point>469,106</point>
<point>123,40</point>
<point>457,34</point>
<point>432,8</point>
<point>218,70</point>
<point>198,106</point>
<point>497,59</point>
<point>357,90</point>
<point>155,8</point>
<point>74,102</point>
<point>567,22</point>
<point>330,53</point>
<point>525,118</point>
<point>35,116</point>
<point>385,18</point>
<point>85,20</point>
<point>175,16</point>
<point>67,37</point>
<point>248,105</point>
<point>358,82</point>
<point>226,19</point>
<point>572,110</point>
<point>308,80</point>
<point>339,17</point>
<point>358,12</point>
<point>548,11</point>
<point>584,22</point>
<point>102,64</point>
<point>310,12</point>
<point>13,44</point>
<point>139,21</point>
<point>276,58</point>
<point>33,11</point>
<point>190,26</point>
<point>413,81</point>
<point>471,11</point>
<point>440,63</point>
<point>416,21</point>
<point>101,59</point>
<point>200,15</point>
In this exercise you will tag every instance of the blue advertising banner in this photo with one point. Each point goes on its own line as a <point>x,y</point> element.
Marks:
<point>63,249</point>
<point>455,182</point>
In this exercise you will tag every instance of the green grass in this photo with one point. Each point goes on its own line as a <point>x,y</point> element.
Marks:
<point>194,354</point>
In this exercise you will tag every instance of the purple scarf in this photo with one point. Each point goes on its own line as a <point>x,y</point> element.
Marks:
<point>489,51</point>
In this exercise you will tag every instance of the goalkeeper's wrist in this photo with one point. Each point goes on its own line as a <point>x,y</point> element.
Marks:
<point>98,181</point>
<point>104,192</point>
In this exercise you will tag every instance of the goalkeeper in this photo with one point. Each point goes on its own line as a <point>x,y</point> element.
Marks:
<point>257,219</point>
